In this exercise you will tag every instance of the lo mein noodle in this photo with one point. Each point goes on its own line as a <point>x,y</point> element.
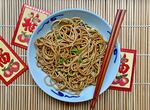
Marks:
<point>71,53</point>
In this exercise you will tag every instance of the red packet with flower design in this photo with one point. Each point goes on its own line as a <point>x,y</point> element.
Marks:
<point>28,20</point>
<point>11,65</point>
<point>124,78</point>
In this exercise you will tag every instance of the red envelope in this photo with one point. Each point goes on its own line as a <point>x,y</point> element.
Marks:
<point>124,78</point>
<point>28,20</point>
<point>11,65</point>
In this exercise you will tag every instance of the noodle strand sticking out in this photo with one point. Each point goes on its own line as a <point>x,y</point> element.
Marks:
<point>71,54</point>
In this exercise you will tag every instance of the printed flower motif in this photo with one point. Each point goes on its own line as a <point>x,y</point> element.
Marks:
<point>15,67</point>
<point>23,37</point>
<point>4,58</point>
<point>31,22</point>
<point>122,80</point>
<point>12,67</point>
<point>123,66</point>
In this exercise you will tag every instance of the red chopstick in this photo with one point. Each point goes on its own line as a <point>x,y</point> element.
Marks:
<point>112,41</point>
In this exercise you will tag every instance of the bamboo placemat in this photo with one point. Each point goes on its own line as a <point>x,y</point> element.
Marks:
<point>24,94</point>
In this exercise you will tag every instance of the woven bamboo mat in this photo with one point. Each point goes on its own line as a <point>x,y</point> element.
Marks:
<point>24,94</point>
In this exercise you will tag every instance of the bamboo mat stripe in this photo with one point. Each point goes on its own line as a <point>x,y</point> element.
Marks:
<point>25,85</point>
<point>123,26</point>
<point>24,94</point>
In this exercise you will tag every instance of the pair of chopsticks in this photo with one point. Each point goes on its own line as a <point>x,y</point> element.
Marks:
<point>108,53</point>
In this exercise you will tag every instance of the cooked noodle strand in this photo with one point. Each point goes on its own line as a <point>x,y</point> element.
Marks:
<point>71,54</point>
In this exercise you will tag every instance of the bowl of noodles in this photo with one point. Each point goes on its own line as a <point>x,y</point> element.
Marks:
<point>65,54</point>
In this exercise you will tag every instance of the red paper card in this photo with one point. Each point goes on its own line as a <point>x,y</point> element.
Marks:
<point>124,78</point>
<point>11,65</point>
<point>28,20</point>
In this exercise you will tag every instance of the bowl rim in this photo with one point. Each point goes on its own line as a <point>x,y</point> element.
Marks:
<point>48,17</point>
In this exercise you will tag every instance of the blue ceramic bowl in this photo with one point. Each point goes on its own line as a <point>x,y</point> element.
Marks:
<point>91,19</point>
